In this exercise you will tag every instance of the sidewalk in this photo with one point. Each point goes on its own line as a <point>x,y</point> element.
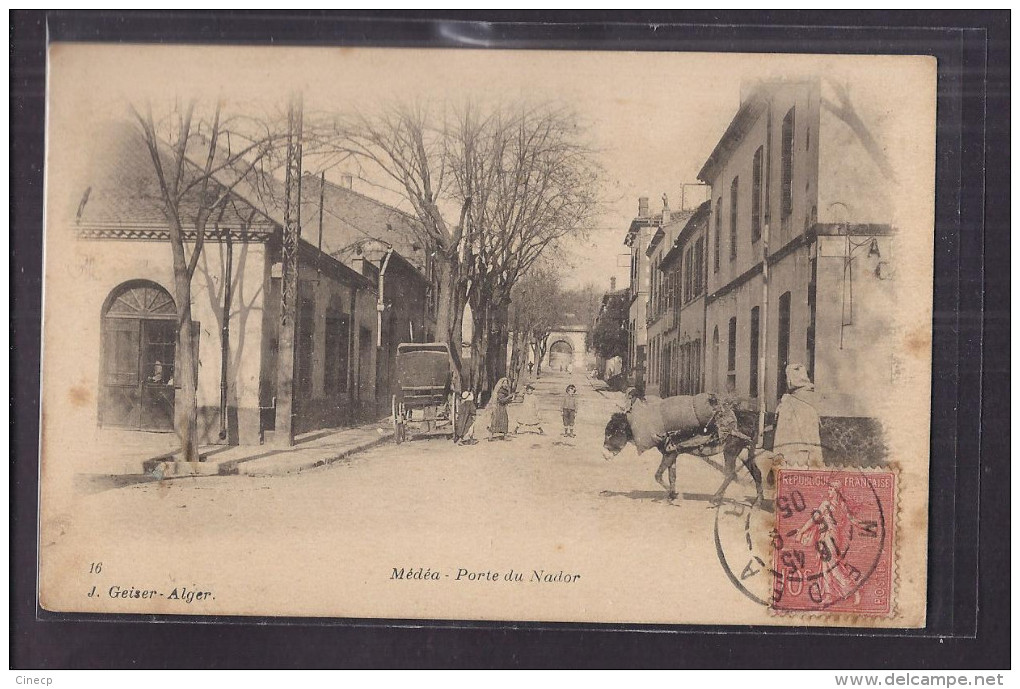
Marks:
<point>310,450</point>
<point>151,458</point>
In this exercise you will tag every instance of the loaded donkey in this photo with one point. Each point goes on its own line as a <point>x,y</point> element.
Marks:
<point>699,424</point>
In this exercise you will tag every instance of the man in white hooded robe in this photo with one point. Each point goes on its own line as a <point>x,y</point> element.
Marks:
<point>797,436</point>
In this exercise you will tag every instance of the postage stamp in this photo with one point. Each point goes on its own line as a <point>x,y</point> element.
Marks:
<point>833,541</point>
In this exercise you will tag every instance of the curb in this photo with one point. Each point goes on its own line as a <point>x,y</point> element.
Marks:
<point>162,469</point>
<point>306,464</point>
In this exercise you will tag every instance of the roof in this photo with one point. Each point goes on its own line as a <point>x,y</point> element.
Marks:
<point>625,292</point>
<point>636,224</point>
<point>121,190</point>
<point>354,225</point>
<point>676,217</point>
<point>121,197</point>
<point>697,220</point>
<point>749,112</point>
<point>654,241</point>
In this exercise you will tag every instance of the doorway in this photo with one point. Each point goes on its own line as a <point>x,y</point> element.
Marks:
<point>139,354</point>
<point>783,343</point>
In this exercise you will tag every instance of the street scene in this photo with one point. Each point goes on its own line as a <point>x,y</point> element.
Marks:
<point>534,502</point>
<point>546,343</point>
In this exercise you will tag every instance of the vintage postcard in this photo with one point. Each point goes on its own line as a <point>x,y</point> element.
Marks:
<point>573,336</point>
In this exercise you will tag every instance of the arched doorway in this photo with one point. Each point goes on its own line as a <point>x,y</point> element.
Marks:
<point>561,354</point>
<point>139,351</point>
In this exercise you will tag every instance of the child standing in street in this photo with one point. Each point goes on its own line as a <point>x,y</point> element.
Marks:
<point>528,416</point>
<point>569,409</point>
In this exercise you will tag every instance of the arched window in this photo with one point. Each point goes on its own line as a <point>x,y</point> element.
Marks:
<point>734,205</point>
<point>139,351</point>
<point>786,152</point>
<point>757,168</point>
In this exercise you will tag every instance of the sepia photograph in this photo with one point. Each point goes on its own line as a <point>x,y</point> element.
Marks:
<point>631,338</point>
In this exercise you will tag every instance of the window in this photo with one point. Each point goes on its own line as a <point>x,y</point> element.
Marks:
<point>697,368</point>
<point>667,280</point>
<point>757,167</point>
<point>752,387</point>
<point>655,290</point>
<point>731,357</point>
<point>687,276</point>
<point>715,357</point>
<point>734,193</point>
<point>677,282</point>
<point>658,288</point>
<point>787,171</point>
<point>338,331</point>
<point>689,367</point>
<point>699,266</point>
<point>718,234</point>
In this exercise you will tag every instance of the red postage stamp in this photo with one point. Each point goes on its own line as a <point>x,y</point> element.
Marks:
<point>833,541</point>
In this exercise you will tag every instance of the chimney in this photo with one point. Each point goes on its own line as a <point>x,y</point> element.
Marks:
<point>612,284</point>
<point>642,207</point>
<point>347,181</point>
<point>748,88</point>
<point>665,210</point>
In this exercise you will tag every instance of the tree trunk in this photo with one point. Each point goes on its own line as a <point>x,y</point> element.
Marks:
<point>450,312</point>
<point>480,319</point>
<point>541,342</point>
<point>519,356</point>
<point>186,373</point>
<point>495,360</point>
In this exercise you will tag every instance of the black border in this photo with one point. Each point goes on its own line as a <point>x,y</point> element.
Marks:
<point>970,380</point>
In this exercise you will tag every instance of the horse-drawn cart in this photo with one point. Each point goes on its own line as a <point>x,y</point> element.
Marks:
<point>425,398</point>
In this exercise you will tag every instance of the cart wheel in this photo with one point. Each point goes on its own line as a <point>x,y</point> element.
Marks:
<point>397,422</point>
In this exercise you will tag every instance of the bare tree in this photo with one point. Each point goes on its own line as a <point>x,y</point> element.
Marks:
<point>536,308</point>
<point>518,180</point>
<point>534,182</point>
<point>409,146</point>
<point>197,161</point>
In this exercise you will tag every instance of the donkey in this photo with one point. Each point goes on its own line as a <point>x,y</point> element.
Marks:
<point>692,424</point>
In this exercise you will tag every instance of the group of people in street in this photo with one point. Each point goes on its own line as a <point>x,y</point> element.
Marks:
<point>527,417</point>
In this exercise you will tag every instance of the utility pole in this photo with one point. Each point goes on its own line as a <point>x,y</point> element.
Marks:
<point>284,434</point>
<point>763,320</point>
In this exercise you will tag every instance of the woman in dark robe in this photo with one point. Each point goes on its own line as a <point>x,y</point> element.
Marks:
<point>499,424</point>
<point>465,430</point>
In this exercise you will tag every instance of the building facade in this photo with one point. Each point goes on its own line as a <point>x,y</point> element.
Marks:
<point>638,236</point>
<point>128,314</point>
<point>683,264</point>
<point>799,248</point>
<point>377,241</point>
<point>661,323</point>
